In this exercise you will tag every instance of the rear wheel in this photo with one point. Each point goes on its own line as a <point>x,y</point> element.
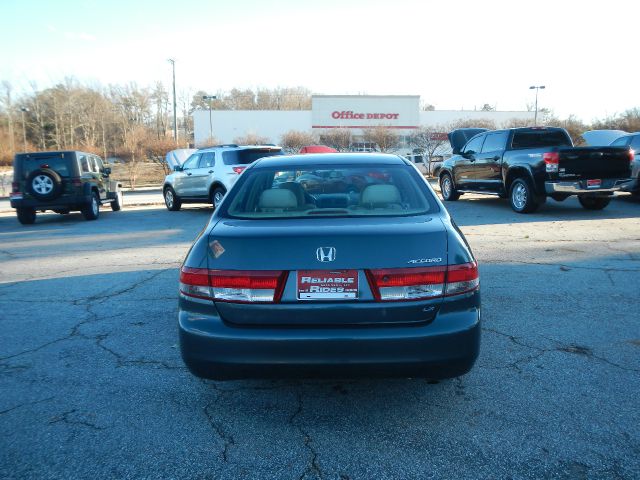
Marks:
<point>171,200</point>
<point>594,203</point>
<point>447,190</point>
<point>521,196</point>
<point>26,216</point>
<point>116,205</point>
<point>217,195</point>
<point>91,211</point>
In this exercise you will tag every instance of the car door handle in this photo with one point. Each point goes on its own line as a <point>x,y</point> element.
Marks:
<point>497,157</point>
<point>472,159</point>
<point>210,171</point>
<point>189,173</point>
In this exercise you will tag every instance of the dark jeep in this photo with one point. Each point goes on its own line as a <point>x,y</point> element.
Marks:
<point>62,182</point>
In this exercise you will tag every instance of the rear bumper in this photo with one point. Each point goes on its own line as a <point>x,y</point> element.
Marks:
<point>445,347</point>
<point>580,187</point>
<point>60,203</point>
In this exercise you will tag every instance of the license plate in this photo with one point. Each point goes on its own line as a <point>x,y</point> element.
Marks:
<point>327,284</point>
<point>596,183</point>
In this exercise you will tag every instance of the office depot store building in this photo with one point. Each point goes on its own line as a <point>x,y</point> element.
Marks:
<point>354,112</point>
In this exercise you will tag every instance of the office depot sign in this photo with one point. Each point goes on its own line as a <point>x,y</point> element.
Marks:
<point>365,111</point>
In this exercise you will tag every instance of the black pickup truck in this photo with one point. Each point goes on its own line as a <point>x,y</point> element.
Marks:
<point>527,165</point>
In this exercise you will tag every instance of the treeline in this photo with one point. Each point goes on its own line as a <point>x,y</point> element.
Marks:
<point>125,121</point>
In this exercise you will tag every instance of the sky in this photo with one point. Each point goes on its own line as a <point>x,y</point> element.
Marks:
<point>454,54</point>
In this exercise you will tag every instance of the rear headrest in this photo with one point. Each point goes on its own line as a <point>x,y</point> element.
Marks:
<point>277,198</point>
<point>297,190</point>
<point>380,194</point>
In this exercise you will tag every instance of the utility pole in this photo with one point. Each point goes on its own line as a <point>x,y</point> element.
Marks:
<point>24,129</point>
<point>210,98</point>
<point>535,115</point>
<point>175,113</point>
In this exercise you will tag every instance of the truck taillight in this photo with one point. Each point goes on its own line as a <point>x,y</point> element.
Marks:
<point>76,181</point>
<point>632,155</point>
<point>239,286</point>
<point>15,187</point>
<point>238,170</point>
<point>397,284</point>
<point>551,160</point>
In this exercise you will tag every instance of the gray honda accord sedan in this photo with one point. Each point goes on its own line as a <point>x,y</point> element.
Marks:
<point>330,265</point>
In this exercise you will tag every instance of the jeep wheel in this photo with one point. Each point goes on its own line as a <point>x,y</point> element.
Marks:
<point>116,205</point>
<point>26,216</point>
<point>447,190</point>
<point>171,200</point>
<point>44,184</point>
<point>91,211</point>
<point>521,196</point>
<point>217,196</point>
<point>594,203</point>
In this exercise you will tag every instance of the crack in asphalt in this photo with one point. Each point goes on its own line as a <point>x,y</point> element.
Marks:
<point>313,468</point>
<point>227,439</point>
<point>565,348</point>
<point>64,417</point>
<point>35,402</point>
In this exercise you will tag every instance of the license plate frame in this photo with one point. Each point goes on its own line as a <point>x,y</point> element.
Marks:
<point>327,285</point>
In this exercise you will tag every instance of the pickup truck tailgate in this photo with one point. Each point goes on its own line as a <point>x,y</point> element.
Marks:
<point>594,162</point>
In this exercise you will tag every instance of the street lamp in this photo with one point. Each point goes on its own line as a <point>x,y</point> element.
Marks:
<point>175,115</point>
<point>24,130</point>
<point>535,115</point>
<point>209,98</point>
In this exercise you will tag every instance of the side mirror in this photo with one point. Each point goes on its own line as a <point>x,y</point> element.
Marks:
<point>177,168</point>
<point>107,171</point>
<point>456,151</point>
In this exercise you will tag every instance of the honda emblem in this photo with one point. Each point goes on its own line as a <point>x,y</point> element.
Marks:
<point>326,254</point>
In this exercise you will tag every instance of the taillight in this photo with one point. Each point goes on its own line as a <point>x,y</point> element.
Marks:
<point>632,155</point>
<point>551,160</point>
<point>422,283</point>
<point>76,182</point>
<point>241,286</point>
<point>238,170</point>
<point>15,187</point>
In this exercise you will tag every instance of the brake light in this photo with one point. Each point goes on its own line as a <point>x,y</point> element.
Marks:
<point>15,187</point>
<point>422,283</point>
<point>632,154</point>
<point>238,170</point>
<point>551,160</point>
<point>240,286</point>
<point>76,182</point>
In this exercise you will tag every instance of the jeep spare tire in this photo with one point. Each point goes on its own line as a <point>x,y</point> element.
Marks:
<point>44,184</point>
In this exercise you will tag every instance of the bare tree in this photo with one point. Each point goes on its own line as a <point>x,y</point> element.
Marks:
<point>428,140</point>
<point>384,137</point>
<point>293,140</point>
<point>251,139</point>
<point>338,138</point>
<point>474,123</point>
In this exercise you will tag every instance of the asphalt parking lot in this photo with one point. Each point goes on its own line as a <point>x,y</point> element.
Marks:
<point>93,386</point>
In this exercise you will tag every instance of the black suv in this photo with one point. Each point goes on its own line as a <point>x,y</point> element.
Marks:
<point>62,182</point>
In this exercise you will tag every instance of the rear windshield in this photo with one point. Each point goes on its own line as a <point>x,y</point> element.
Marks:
<point>335,191</point>
<point>540,138</point>
<point>56,163</point>
<point>245,157</point>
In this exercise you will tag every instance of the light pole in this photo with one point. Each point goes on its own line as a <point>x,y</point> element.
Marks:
<point>175,114</point>
<point>24,130</point>
<point>209,98</point>
<point>535,115</point>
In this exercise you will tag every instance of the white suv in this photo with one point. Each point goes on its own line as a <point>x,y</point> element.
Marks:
<point>207,175</point>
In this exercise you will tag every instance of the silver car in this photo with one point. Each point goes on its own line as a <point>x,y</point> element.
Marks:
<point>208,174</point>
<point>632,141</point>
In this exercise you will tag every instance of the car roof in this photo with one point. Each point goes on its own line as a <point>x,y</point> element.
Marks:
<point>239,147</point>
<point>319,159</point>
<point>48,153</point>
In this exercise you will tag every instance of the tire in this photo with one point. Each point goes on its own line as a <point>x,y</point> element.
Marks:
<point>26,216</point>
<point>44,184</point>
<point>521,196</point>
<point>116,205</point>
<point>447,190</point>
<point>171,200</point>
<point>217,195</point>
<point>594,203</point>
<point>91,211</point>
